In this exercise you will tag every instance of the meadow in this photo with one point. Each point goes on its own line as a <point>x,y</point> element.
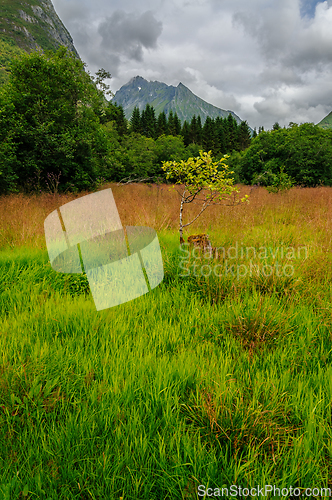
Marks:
<point>212,379</point>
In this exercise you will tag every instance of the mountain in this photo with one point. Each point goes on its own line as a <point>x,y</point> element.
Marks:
<point>326,122</point>
<point>139,92</point>
<point>29,25</point>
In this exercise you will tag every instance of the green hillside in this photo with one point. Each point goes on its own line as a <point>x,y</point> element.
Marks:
<point>186,105</point>
<point>29,25</point>
<point>8,50</point>
<point>326,122</point>
<point>138,92</point>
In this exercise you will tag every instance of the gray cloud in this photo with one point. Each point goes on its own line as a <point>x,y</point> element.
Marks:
<point>127,34</point>
<point>267,60</point>
<point>285,38</point>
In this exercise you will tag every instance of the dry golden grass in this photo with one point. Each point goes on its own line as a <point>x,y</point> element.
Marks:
<point>298,215</point>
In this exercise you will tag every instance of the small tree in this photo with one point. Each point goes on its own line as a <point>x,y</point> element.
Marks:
<point>200,176</point>
<point>102,75</point>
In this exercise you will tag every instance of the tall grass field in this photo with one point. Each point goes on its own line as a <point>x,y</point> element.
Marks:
<point>216,382</point>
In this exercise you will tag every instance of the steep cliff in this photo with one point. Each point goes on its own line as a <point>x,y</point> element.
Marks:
<point>29,25</point>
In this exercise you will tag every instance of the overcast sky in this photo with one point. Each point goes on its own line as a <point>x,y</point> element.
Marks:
<point>266,60</point>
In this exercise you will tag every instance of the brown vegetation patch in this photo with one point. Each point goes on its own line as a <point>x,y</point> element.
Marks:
<point>237,424</point>
<point>22,216</point>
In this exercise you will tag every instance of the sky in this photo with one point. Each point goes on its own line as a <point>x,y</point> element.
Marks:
<point>267,60</point>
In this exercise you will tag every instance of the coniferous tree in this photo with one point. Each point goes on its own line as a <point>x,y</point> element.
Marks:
<point>220,132</point>
<point>135,121</point>
<point>148,121</point>
<point>215,138</point>
<point>232,133</point>
<point>121,121</point>
<point>199,130</point>
<point>185,132</point>
<point>207,134</point>
<point>193,130</point>
<point>171,124</point>
<point>254,133</point>
<point>226,134</point>
<point>162,124</point>
<point>244,137</point>
<point>177,124</point>
<point>143,121</point>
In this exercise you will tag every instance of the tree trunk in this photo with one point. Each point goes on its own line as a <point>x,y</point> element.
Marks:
<point>181,223</point>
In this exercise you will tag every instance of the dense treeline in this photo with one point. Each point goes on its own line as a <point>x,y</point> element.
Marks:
<point>59,133</point>
<point>303,152</point>
<point>51,124</point>
<point>219,135</point>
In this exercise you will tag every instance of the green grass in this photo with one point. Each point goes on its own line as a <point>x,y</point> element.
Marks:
<point>213,381</point>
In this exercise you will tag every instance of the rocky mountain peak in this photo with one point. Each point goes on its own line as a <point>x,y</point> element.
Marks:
<point>138,92</point>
